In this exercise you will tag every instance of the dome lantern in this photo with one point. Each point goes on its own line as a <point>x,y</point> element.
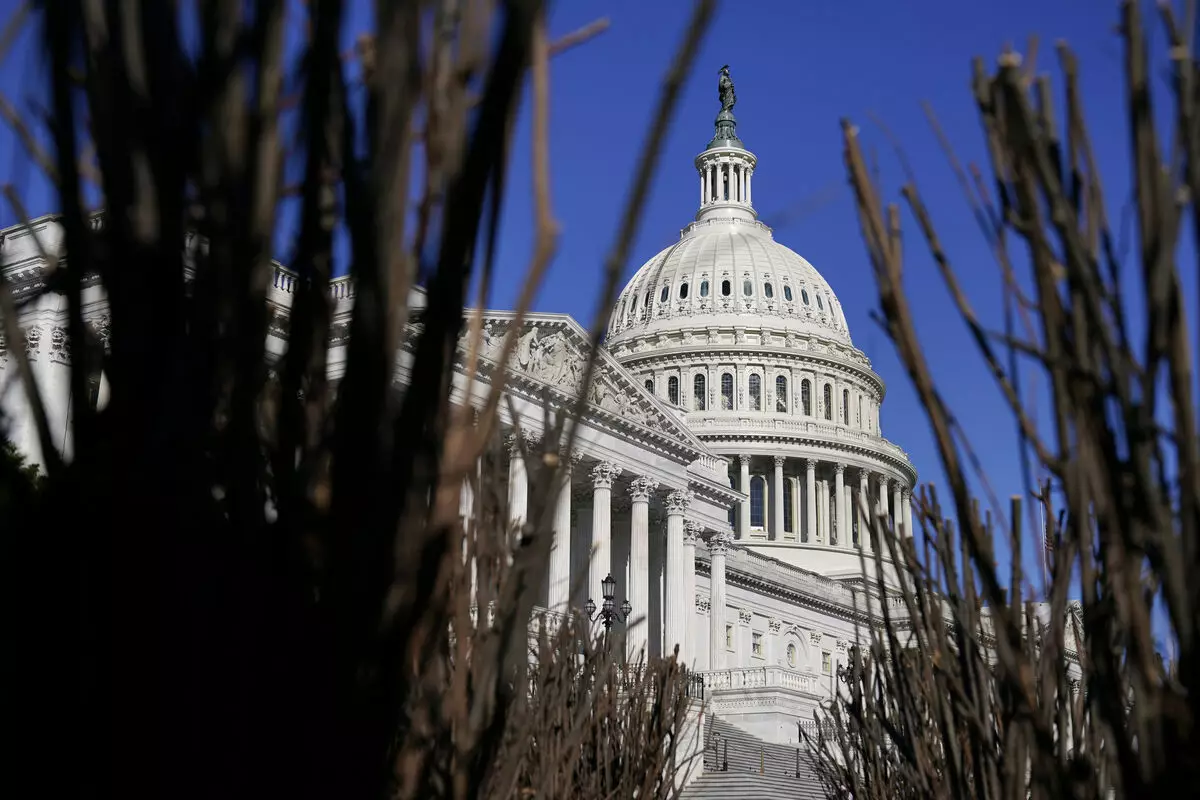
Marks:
<point>726,167</point>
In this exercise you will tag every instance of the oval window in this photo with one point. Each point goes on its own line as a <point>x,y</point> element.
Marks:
<point>820,305</point>
<point>787,293</point>
<point>683,290</point>
<point>768,290</point>
<point>725,288</point>
<point>666,292</point>
<point>704,288</point>
<point>804,296</point>
<point>747,287</point>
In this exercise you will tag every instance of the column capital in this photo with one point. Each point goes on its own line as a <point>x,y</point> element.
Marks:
<point>604,473</point>
<point>810,463</point>
<point>678,501</point>
<point>718,545</point>
<point>691,532</point>
<point>513,440</point>
<point>744,458</point>
<point>640,489</point>
<point>839,468</point>
<point>779,460</point>
<point>906,492</point>
<point>884,481</point>
<point>864,474</point>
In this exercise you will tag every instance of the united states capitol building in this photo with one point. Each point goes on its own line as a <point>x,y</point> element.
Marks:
<point>726,464</point>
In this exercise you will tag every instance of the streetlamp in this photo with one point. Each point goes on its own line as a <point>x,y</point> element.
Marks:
<point>608,613</point>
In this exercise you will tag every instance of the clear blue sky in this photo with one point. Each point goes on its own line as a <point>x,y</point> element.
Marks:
<point>799,66</point>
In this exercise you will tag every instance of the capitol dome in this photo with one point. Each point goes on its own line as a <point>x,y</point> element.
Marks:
<point>748,342</point>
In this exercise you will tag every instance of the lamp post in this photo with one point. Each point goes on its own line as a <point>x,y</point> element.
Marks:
<point>608,612</point>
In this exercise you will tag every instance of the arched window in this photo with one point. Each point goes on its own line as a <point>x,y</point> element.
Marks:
<point>858,420</point>
<point>787,293</point>
<point>820,305</point>
<point>666,292</point>
<point>683,289</point>
<point>806,396</point>
<point>787,506</point>
<point>804,296</point>
<point>646,302</point>
<point>747,287</point>
<point>758,497</point>
<point>699,396</point>
<point>650,385</point>
<point>727,392</point>
<point>828,402</point>
<point>781,403</point>
<point>633,305</point>
<point>768,290</point>
<point>845,406</point>
<point>755,393</point>
<point>725,288</point>
<point>673,390</point>
<point>704,288</point>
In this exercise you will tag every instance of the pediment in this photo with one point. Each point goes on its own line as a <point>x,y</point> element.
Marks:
<point>552,351</point>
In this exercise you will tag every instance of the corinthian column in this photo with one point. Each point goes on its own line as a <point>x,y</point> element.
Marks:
<point>603,475</point>
<point>677,505</point>
<point>718,546</point>
<point>897,509</point>
<point>810,498</point>
<point>558,593</point>
<point>864,510</point>
<point>744,507</point>
<point>691,532</point>
<point>839,502</point>
<point>908,523</point>
<point>639,567</point>
<point>777,497</point>
<point>518,487</point>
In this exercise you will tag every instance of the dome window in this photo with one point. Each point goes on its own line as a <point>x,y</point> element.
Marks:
<point>787,293</point>
<point>673,390</point>
<point>804,296</point>
<point>727,392</point>
<point>650,385</point>
<point>806,396</point>
<point>828,398</point>
<point>633,305</point>
<point>726,289</point>
<point>758,494</point>
<point>820,305</point>
<point>755,392</point>
<point>683,290</point>
<point>747,287</point>
<point>781,404</point>
<point>704,288</point>
<point>666,292</point>
<point>768,290</point>
<point>788,526</point>
<point>846,407</point>
<point>699,396</point>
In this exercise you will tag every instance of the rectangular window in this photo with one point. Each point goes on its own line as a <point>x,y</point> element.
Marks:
<point>787,506</point>
<point>756,645</point>
<point>826,662</point>
<point>729,637</point>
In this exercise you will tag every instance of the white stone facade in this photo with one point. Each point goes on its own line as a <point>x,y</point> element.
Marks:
<point>729,452</point>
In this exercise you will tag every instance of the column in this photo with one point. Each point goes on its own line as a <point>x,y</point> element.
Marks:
<point>810,498</point>
<point>714,182</point>
<point>864,508</point>
<point>518,486</point>
<point>466,513</point>
<point>677,505</point>
<point>558,594</point>
<point>823,511</point>
<point>639,568</point>
<point>603,475</point>
<point>749,197</point>
<point>744,507</point>
<point>777,497</point>
<point>897,508</point>
<point>839,500</point>
<point>906,514</point>
<point>718,546</point>
<point>742,184</point>
<point>703,185</point>
<point>691,532</point>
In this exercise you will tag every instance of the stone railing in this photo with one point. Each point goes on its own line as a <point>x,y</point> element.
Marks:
<point>285,281</point>
<point>759,678</point>
<point>735,421</point>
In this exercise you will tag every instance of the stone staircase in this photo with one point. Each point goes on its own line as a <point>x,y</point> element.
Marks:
<point>738,766</point>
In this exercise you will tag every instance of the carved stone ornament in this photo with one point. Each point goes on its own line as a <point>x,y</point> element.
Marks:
<point>745,616</point>
<point>691,532</point>
<point>641,488</point>
<point>718,545</point>
<point>703,603</point>
<point>60,346</point>
<point>842,645</point>
<point>33,342</point>
<point>839,468</point>
<point>744,459</point>
<point>3,350</point>
<point>604,473</point>
<point>512,442</point>
<point>774,625</point>
<point>779,460</point>
<point>678,501</point>
<point>814,637</point>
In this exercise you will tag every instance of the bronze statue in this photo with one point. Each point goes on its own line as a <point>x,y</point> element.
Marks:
<point>725,90</point>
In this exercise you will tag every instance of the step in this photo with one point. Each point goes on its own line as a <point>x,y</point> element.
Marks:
<point>747,786</point>
<point>737,751</point>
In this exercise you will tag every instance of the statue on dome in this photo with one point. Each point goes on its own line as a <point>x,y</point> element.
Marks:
<point>725,90</point>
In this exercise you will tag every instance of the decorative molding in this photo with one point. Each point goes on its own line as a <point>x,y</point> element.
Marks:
<point>842,645</point>
<point>814,637</point>
<point>745,616</point>
<point>703,604</point>
<point>775,625</point>
<point>603,475</point>
<point>60,346</point>
<point>719,543</point>
<point>691,532</point>
<point>640,489</point>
